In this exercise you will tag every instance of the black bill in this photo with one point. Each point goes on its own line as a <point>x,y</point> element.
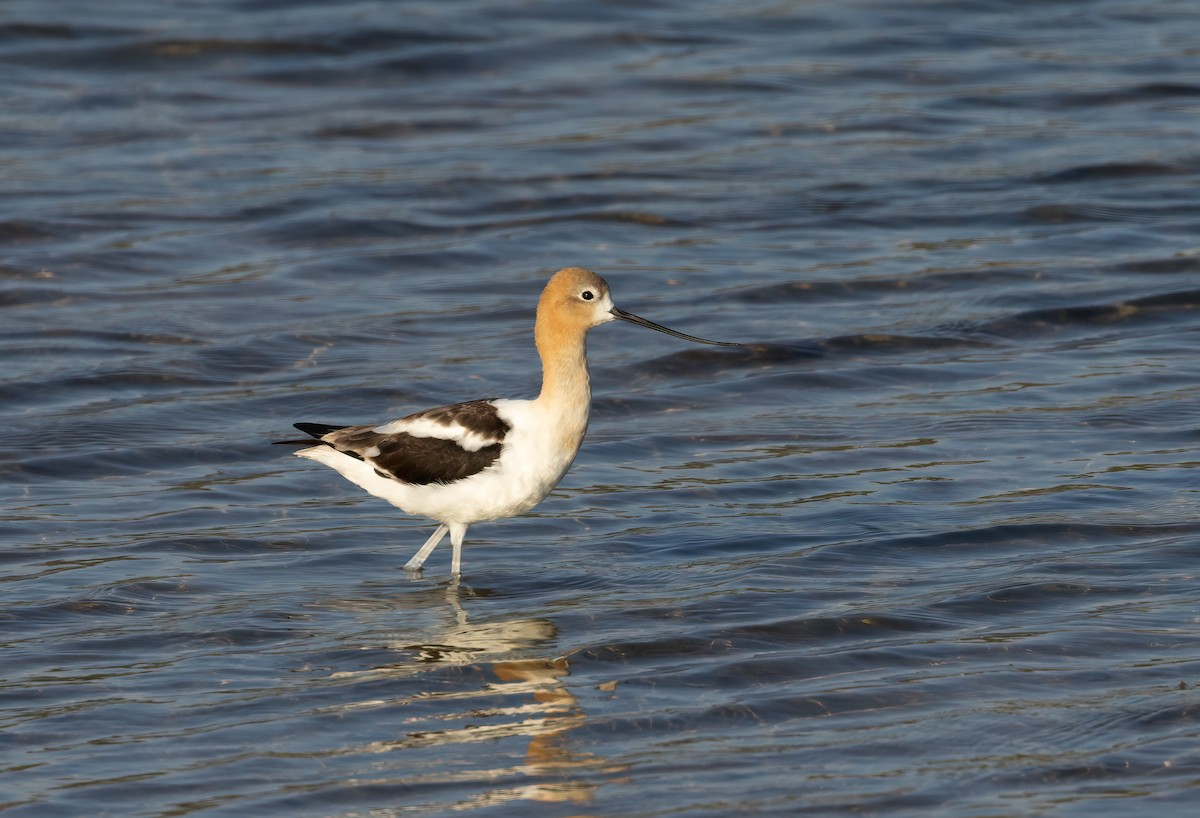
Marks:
<point>637,319</point>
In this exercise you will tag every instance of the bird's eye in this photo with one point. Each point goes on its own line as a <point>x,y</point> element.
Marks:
<point>587,295</point>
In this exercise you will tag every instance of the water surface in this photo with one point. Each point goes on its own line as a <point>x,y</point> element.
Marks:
<point>927,546</point>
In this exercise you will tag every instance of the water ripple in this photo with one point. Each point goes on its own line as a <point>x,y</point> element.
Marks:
<point>923,545</point>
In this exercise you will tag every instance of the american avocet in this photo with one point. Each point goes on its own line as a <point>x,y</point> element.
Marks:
<point>486,459</point>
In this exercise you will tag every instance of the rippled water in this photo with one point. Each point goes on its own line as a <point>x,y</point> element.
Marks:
<point>928,546</point>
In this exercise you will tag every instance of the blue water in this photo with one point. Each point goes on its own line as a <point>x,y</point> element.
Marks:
<point>928,546</point>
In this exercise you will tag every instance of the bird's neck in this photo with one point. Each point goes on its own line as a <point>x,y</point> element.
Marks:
<point>566,391</point>
<point>565,383</point>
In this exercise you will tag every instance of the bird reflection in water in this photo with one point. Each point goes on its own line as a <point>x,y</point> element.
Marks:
<point>545,710</point>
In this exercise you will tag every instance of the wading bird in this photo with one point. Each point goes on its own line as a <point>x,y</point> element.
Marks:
<point>486,459</point>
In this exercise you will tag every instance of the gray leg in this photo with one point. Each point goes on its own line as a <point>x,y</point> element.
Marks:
<point>457,532</point>
<point>419,558</point>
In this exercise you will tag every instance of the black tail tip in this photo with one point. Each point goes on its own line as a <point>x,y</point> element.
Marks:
<point>317,430</point>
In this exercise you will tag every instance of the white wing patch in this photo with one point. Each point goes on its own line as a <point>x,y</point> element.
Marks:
<point>418,426</point>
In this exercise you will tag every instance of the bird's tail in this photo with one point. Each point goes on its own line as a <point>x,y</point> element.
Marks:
<point>317,430</point>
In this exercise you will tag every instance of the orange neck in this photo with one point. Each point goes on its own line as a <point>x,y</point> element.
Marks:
<point>563,350</point>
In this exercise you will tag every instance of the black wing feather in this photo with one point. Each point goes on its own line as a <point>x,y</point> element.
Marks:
<point>317,430</point>
<point>416,460</point>
<point>420,460</point>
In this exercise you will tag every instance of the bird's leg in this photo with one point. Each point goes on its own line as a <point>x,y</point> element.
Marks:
<point>457,532</point>
<point>419,558</point>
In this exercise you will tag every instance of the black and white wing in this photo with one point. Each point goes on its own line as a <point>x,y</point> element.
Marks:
<point>439,445</point>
